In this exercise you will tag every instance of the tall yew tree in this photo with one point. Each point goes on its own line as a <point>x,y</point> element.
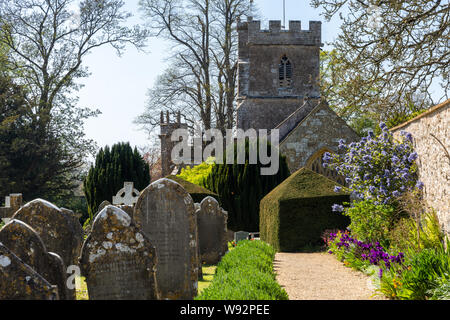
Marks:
<point>46,42</point>
<point>113,167</point>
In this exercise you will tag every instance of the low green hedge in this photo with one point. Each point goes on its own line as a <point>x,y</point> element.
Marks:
<point>245,273</point>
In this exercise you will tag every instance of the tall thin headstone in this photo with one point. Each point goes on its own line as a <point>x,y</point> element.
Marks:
<point>212,231</point>
<point>165,212</point>
<point>118,260</point>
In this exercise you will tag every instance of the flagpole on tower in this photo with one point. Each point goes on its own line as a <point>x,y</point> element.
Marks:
<point>284,14</point>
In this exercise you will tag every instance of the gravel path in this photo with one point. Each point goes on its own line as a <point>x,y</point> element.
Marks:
<point>320,276</point>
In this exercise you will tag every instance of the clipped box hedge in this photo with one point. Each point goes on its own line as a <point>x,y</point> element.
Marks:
<point>296,213</point>
<point>245,273</point>
<point>197,193</point>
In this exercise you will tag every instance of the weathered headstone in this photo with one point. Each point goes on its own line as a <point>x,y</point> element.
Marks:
<point>165,212</point>
<point>212,230</point>
<point>26,244</point>
<point>77,230</point>
<point>103,205</point>
<point>53,226</point>
<point>241,235</point>
<point>12,203</point>
<point>128,195</point>
<point>18,281</point>
<point>118,260</point>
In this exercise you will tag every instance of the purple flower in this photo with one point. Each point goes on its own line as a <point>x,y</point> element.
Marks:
<point>337,208</point>
<point>419,185</point>
<point>337,189</point>
<point>412,157</point>
<point>396,193</point>
<point>380,273</point>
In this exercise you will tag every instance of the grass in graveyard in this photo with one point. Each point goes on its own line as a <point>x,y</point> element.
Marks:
<point>208,275</point>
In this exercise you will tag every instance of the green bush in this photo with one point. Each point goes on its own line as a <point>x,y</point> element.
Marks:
<point>404,235</point>
<point>442,290</point>
<point>197,174</point>
<point>295,214</point>
<point>370,222</point>
<point>245,273</point>
<point>420,275</point>
<point>241,187</point>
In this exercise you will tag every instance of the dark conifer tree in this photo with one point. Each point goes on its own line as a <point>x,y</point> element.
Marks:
<point>113,167</point>
<point>241,187</point>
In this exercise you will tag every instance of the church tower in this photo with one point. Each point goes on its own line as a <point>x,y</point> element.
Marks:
<point>278,69</point>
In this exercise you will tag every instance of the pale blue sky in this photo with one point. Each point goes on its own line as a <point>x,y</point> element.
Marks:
<point>118,85</point>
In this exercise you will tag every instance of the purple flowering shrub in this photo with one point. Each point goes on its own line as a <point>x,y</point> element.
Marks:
<point>377,168</point>
<point>359,254</point>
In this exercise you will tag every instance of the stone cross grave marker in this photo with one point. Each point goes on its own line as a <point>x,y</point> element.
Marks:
<point>26,244</point>
<point>165,212</point>
<point>18,281</point>
<point>128,195</point>
<point>118,260</point>
<point>241,235</point>
<point>212,230</point>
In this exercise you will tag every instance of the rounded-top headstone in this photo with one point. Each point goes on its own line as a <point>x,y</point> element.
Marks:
<point>18,281</point>
<point>118,260</point>
<point>165,212</point>
<point>26,244</point>
<point>52,225</point>
<point>212,230</point>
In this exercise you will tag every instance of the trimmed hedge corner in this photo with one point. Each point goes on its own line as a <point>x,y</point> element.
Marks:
<point>296,213</point>
<point>197,193</point>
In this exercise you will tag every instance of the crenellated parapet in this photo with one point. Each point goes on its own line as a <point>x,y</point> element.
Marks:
<point>277,35</point>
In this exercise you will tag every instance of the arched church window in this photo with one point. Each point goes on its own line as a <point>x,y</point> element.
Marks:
<point>285,72</point>
<point>315,163</point>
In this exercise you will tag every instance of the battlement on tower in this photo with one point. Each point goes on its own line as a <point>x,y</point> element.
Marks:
<point>254,35</point>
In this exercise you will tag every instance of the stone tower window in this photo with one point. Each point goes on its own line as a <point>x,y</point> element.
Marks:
<point>285,72</point>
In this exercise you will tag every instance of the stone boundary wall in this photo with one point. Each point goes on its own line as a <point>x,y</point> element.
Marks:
<point>431,133</point>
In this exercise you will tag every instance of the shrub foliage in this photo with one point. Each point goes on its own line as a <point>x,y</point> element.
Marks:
<point>245,273</point>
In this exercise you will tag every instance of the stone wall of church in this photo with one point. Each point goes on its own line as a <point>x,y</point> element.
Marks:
<point>321,130</point>
<point>431,133</point>
<point>265,113</point>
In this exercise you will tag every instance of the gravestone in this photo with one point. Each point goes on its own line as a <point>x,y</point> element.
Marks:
<point>241,235</point>
<point>74,221</point>
<point>12,203</point>
<point>53,226</point>
<point>18,281</point>
<point>128,195</point>
<point>26,244</point>
<point>103,205</point>
<point>118,260</point>
<point>212,230</point>
<point>165,212</point>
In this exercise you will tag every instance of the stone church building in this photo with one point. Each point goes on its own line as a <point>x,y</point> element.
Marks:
<point>278,88</point>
